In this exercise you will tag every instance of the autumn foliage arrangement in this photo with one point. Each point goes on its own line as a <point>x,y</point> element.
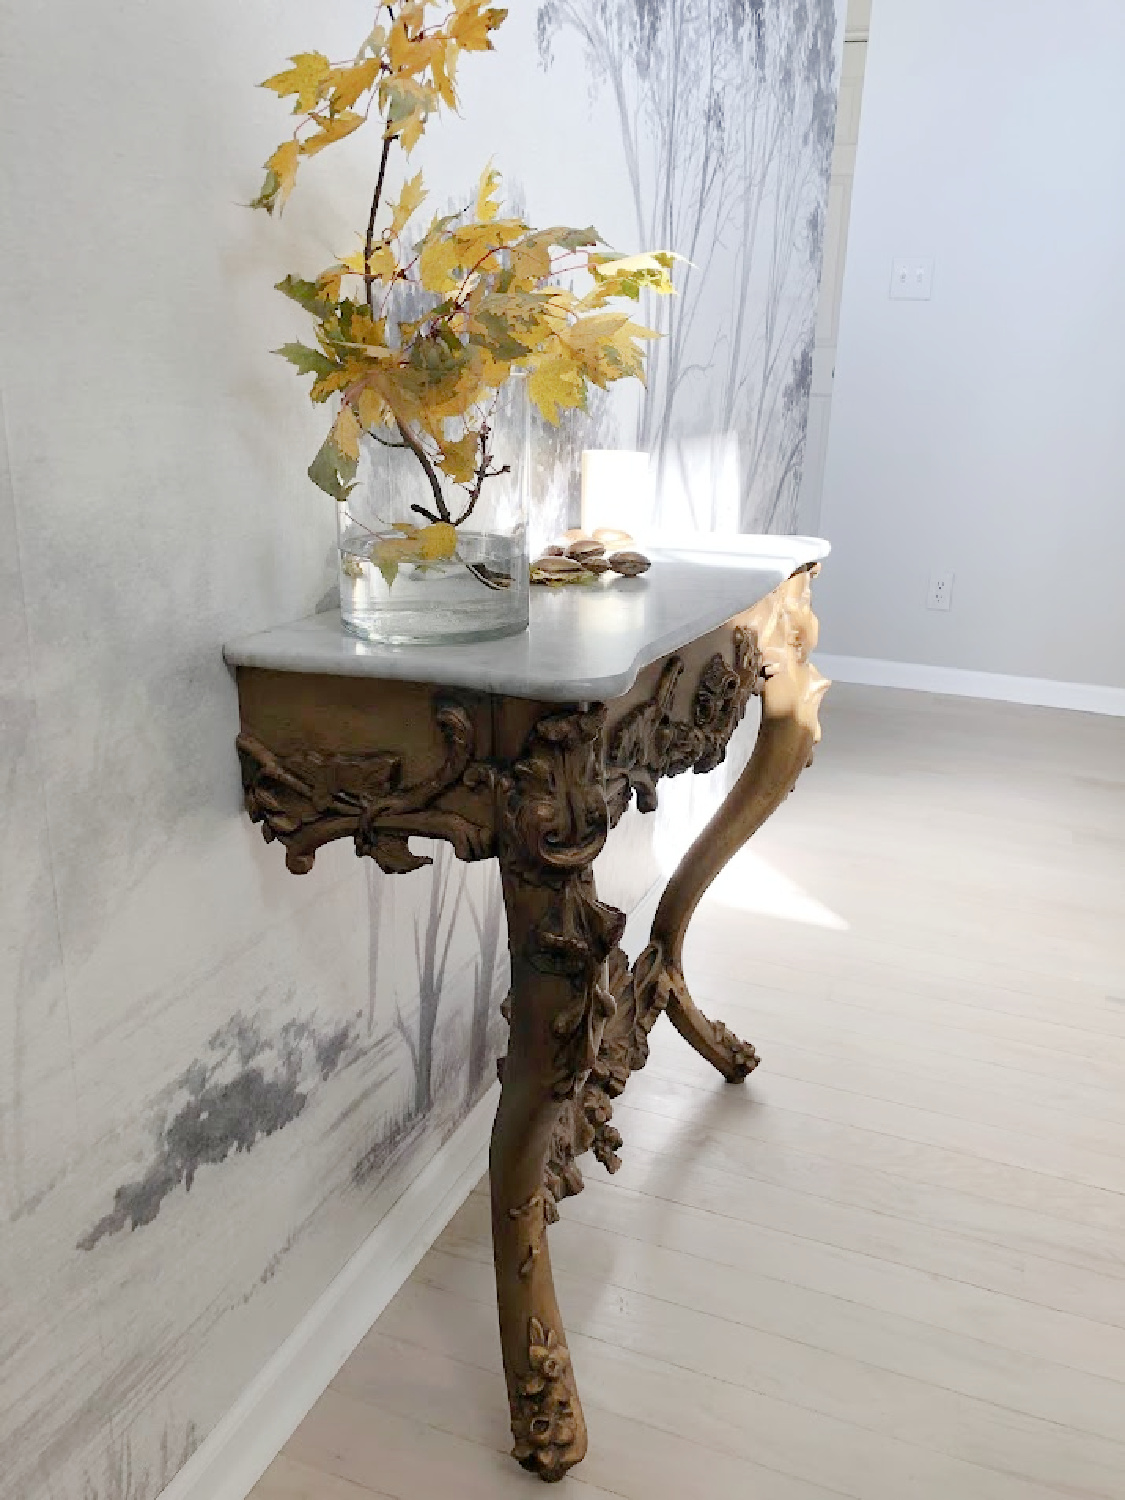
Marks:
<point>418,330</point>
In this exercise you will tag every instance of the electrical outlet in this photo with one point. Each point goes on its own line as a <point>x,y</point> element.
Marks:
<point>940,593</point>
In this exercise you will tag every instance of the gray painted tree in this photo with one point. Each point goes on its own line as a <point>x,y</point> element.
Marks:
<point>726,116</point>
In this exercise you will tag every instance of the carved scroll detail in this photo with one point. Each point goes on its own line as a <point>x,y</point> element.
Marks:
<point>649,743</point>
<point>309,798</point>
<point>543,1416</point>
<point>554,824</point>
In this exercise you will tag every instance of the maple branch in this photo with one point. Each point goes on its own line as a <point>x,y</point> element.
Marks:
<point>369,243</point>
<point>431,473</point>
<point>484,471</point>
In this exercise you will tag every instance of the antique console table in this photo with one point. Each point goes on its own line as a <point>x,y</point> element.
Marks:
<point>529,750</point>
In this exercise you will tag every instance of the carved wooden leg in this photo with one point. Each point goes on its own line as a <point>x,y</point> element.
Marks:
<point>553,823</point>
<point>787,632</point>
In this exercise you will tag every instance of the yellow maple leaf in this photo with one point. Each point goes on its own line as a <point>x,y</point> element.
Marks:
<point>283,165</point>
<point>443,68</point>
<point>330,128</point>
<point>400,44</point>
<point>624,274</point>
<point>626,342</point>
<point>554,382</point>
<point>439,260</point>
<point>383,263</point>
<point>488,204</point>
<point>345,432</point>
<point>406,104</point>
<point>328,282</point>
<point>409,201</point>
<point>412,131</point>
<point>437,542</point>
<point>307,78</point>
<point>530,260</point>
<point>372,409</point>
<point>350,373</point>
<point>471,24</point>
<point>459,459</point>
<point>347,84</point>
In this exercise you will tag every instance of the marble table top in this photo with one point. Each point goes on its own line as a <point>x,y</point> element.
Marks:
<point>583,645</point>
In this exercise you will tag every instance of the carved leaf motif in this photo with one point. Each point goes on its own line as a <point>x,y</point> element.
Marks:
<point>555,823</point>
<point>650,743</point>
<point>309,798</point>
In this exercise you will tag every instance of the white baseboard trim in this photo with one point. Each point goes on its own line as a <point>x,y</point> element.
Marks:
<point>240,1449</point>
<point>1084,697</point>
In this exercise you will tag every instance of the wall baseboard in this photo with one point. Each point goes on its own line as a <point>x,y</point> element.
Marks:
<point>1042,692</point>
<point>239,1450</point>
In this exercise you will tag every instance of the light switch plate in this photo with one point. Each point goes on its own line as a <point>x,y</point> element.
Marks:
<point>912,280</point>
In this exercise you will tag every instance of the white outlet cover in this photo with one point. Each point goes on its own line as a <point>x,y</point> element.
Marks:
<point>939,593</point>
<point>912,279</point>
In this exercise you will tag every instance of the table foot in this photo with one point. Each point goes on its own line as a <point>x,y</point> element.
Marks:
<point>713,1040</point>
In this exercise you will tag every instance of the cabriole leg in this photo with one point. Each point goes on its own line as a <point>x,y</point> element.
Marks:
<point>793,688</point>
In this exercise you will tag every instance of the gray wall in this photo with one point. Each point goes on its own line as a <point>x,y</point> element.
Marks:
<point>208,1082</point>
<point>981,431</point>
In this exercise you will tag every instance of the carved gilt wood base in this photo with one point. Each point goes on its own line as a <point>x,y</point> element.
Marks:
<point>539,786</point>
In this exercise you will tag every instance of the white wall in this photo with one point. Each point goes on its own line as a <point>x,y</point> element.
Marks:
<point>982,431</point>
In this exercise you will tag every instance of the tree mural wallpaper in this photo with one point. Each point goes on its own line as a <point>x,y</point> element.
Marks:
<point>725,114</point>
<point>215,1080</point>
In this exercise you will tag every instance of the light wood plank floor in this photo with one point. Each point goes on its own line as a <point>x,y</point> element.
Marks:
<point>892,1265</point>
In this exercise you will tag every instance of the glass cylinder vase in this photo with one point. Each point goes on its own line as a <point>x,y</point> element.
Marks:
<point>424,560</point>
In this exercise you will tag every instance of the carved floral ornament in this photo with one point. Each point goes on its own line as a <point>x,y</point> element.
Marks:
<point>554,824</point>
<point>543,1418</point>
<point>649,743</point>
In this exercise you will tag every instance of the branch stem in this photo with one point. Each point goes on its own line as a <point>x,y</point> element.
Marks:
<point>423,458</point>
<point>369,243</point>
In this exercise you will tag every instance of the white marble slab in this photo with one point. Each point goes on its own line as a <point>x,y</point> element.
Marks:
<point>583,644</point>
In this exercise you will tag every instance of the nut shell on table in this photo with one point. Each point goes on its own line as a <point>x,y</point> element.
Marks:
<point>585,548</point>
<point>611,537</point>
<point>556,567</point>
<point>596,565</point>
<point>629,564</point>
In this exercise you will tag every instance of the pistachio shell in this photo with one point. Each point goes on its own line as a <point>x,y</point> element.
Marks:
<point>596,564</point>
<point>629,564</point>
<point>575,534</point>
<point>611,536</point>
<point>554,551</point>
<point>585,549</point>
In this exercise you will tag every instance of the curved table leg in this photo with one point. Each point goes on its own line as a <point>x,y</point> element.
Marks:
<point>787,632</point>
<point>554,822</point>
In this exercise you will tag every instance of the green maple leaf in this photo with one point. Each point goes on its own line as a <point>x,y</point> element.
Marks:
<point>333,471</point>
<point>308,295</point>
<point>498,339</point>
<point>307,361</point>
